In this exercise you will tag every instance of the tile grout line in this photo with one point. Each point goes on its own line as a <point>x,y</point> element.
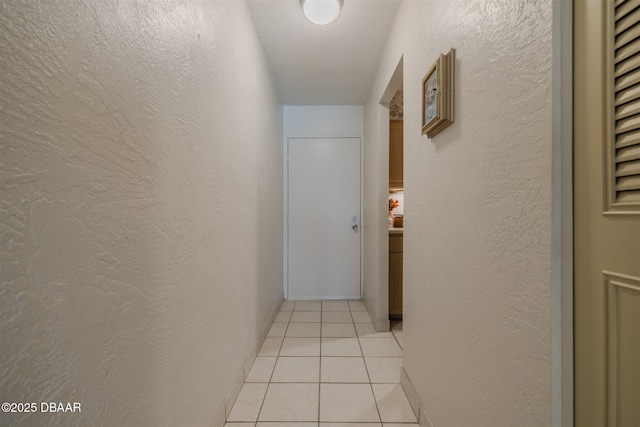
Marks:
<point>368,375</point>
<point>313,382</point>
<point>396,338</point>
<point>264,398</point>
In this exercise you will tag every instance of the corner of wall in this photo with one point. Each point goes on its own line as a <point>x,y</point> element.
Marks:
<point>131,171</point>
<point>380,324</point>
<point>224,411</point>
<point>414,400</point>
<point>450,258</point>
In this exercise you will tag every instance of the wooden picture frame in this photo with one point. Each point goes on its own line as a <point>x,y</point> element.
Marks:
<point>437,95</point>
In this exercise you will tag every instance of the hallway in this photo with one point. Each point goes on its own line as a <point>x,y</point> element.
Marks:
<point>145,213</point>
<point>323,361</point>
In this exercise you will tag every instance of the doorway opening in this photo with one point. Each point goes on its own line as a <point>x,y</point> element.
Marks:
<point>396,204</point>
<point>393,98</point>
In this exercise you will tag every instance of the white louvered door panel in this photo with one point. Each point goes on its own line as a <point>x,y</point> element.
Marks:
<point>623,161</point>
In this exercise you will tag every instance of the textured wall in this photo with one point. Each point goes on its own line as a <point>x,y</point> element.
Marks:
<point>140,204</point>
<point>477,221</point>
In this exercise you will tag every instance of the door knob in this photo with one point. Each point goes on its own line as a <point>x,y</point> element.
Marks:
<point>354,227</point>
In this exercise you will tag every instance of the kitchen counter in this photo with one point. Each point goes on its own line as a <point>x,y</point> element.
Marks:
<point>396,230</point>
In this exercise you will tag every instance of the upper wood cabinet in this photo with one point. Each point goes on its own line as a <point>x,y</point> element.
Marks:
<point>396,171</point>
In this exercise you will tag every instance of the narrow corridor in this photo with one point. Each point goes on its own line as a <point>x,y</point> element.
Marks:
<point>324,365</point>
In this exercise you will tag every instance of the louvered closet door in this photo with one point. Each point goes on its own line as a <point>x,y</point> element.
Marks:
<point>607,212</point>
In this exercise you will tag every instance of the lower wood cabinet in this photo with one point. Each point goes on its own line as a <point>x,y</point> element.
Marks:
<point>395,276</point>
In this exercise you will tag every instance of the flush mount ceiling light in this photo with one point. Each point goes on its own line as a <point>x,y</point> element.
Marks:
<point>321,12</point>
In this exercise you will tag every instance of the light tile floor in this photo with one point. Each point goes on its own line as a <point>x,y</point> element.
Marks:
<point>324,365</point>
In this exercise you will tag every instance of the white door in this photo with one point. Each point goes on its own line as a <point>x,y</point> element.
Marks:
<point>324,218</point>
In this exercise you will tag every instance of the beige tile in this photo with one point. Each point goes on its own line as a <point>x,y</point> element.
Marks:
<point>335,306</point>
<point>401,425</point>
<point>261,370</point>
<point>380,347</point>
<point>396,328</point>
<point>270,347</point>
<point>338,330</point>
<point>393,404</point>
<point>336,316</point>
<point>400,342</point>
<point>290,402</point>
<point>306,317</point>
<point>247,405</point>
<point>287,306</point>
<point>298,424</point>
<point>308,306</point>
<point>361,317</point>
<point>340,347</point>
<point>282,317</point>
<point>277,330</point>
<point>384,369</point>
<point>300,347</point>
<point>240,425</point>
<point>357,306</point>
<point>303,330</point>
<point>350,425</point>
<point>366,330</point>
<point>296,370</point>
<point>347,403</point>
<point>343,370</point>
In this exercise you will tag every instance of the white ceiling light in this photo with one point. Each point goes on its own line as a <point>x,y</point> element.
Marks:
<point>321,12</point>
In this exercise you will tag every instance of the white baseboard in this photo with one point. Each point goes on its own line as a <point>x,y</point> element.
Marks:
<point>224,411</point>
<point>381,325</point>
<point>414,400</point>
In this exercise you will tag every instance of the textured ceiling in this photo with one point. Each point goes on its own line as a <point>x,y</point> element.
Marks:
<point>323,65</point>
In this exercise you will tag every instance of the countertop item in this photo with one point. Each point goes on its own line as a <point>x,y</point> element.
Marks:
<point>396,230</point>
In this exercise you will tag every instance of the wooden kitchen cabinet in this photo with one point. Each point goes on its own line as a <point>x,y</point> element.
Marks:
<point>396,168</point>
<point>395,276</point>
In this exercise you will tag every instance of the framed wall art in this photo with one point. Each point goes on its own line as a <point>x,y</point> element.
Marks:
<point>437,95</point>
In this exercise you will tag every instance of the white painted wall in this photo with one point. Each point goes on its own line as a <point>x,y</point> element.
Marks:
<point>324,121</point>
<point>375,155</point>
<point>317,121</point>
<point>477,260</point>
<point>141,202</point>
